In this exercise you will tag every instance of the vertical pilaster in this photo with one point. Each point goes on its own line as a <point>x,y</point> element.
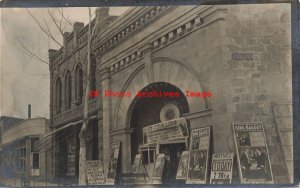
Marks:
<point>106,116</point>
<point>147,51</point>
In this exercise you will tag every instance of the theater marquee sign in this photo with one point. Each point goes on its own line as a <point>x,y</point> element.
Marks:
<point>252,153</point>
<point>168,130</point>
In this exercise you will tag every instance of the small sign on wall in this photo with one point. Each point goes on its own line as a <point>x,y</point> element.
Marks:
<point>221,168</point>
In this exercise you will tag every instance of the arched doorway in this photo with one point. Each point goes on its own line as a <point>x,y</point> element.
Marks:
<point>145,111</point>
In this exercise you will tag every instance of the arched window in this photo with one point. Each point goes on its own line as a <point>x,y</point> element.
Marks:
<point>58,95</point>
<point>93,75</point>
<point>68,90</point>
<point>78,85</point>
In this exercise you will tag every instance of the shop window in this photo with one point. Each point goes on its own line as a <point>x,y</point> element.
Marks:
<point>20,157</point>
<point>148,154</point>
<point>34,144</point>
<point>35,161</point>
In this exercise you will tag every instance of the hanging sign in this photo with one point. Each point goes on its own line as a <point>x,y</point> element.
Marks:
<point>252,153</point>
<point>183,165</point>
<point>113,164</point>
<point>198,156</point>
<point>168,130</point>
<point>221,168</point>
<point>95,173</point>
<point>137,163</point>
<point>158,168</point>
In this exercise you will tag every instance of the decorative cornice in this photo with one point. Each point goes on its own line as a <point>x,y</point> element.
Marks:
<point>110,41</point>
<point>205,17</point>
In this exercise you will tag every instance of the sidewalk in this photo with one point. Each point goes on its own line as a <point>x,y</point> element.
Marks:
<point>16,182</point>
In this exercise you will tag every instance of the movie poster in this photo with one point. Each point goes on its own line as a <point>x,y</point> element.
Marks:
<point>95,173</point>
<point>221,168</point>
<point>113,164</point>
<point>158,168</point>
<point>183,165</point>
<point>198,156</point>
<point>252,152</point>
<point>137,163</point>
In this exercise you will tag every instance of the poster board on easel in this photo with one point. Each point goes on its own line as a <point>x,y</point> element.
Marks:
<point>221,168</point>
<point>183,166</point>
<point>113,164</point>
<point>198,156</point>
<point>252,153</point>
<point>158,169</point>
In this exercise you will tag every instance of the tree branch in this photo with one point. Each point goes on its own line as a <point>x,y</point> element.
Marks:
<point>43,29</point>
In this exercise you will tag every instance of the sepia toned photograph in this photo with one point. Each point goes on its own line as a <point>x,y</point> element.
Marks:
<point>142,94</point>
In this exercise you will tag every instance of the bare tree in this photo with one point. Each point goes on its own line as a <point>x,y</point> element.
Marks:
<point>45,28</point>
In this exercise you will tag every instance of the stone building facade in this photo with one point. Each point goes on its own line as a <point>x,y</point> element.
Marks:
<point>239,53</point>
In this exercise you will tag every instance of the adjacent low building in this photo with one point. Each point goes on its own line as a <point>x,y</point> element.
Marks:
<point>24,150</point>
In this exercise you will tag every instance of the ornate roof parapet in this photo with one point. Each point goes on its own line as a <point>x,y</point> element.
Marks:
<point>121,30</point>
<point>202,18</point>
<point>78,37</point>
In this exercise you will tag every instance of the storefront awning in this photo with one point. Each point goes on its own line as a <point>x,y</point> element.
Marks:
<point>66,126</point>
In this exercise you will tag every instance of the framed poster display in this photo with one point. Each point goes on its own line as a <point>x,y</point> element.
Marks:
<point>113,164</point>
<point>198,156</point>
<point>137,163</point>
<point>183,165</point>
<point>95,173</point>
<point>221,168</point>
<point>158,169</point>
<point>252,153</point>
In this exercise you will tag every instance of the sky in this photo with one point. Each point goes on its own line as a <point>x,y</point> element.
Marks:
<point>25,80</point>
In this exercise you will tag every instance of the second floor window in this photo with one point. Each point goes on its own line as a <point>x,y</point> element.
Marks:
<point>78,85</point>
<point>58,99</point>
<point>68,90</point>
<point>93,74</point>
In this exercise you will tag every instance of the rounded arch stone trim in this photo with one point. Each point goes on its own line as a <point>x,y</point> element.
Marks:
<point>164,70</point>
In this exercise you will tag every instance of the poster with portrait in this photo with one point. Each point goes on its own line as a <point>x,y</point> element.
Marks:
<point>113,164</point>
<point>183,165</point>
<point>252,153</point>
<point>221,168</point>
<point>198,156</point>
<point>137,163</point>
<point>95,173</point>
<point>158,169</point>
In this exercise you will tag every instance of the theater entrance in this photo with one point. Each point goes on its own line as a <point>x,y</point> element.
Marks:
<point>173,153</point>
<point>165,111</point>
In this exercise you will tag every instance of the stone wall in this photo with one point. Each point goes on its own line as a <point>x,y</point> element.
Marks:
<point>257,45</point>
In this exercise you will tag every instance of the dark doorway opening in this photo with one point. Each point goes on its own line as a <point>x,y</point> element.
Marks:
<point>173,153</point>
<point>146,111</point>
